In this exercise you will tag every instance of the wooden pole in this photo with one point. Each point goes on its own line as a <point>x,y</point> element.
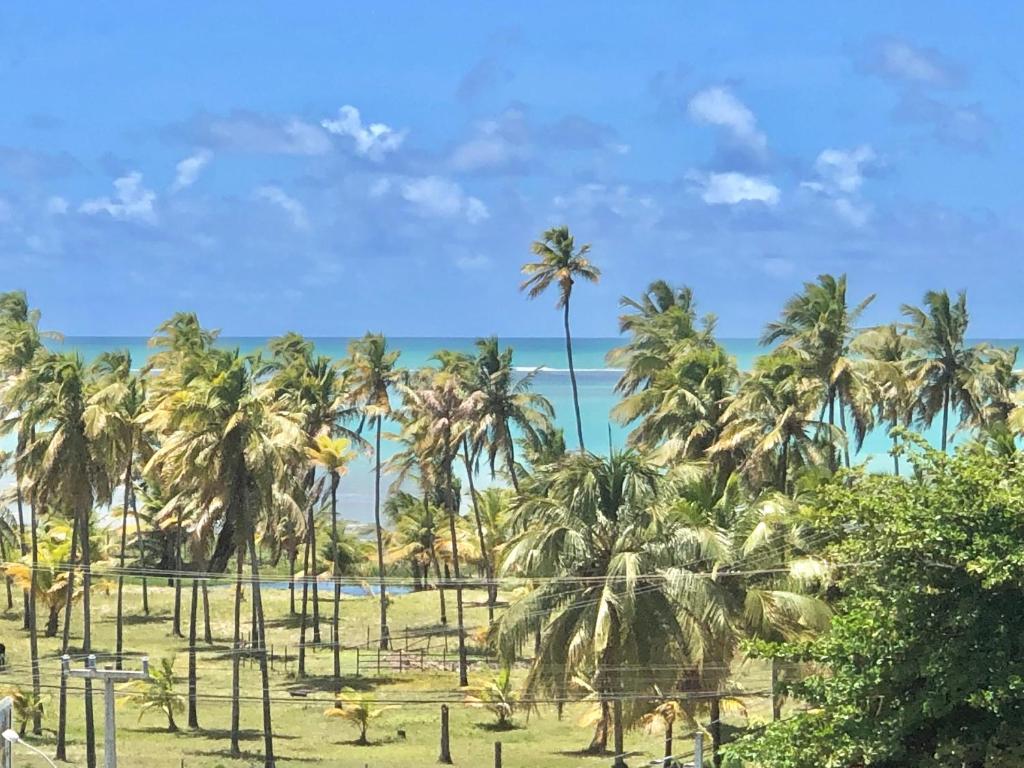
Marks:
<point>446,752</point>
<point>497,754</point>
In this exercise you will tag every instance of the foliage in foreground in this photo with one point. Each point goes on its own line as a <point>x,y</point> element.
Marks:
<point>925,657</point>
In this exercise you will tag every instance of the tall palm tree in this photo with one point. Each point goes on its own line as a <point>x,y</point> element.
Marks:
<point>371,373</point>
<point>590,535</point>
<point>226,431</point>
<point>889,392</point>
<point>818,324</point>
<point>771,424</point>
<point>441,414</point>
<point>111,419</point>
<point>946,367</point>
<point>333,456</point>
<point>507,404</point>
<point>315,387</point>
<point>561,264</point>
<point>67,472</point>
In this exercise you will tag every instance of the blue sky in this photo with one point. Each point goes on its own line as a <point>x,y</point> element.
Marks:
<point>337,167</point>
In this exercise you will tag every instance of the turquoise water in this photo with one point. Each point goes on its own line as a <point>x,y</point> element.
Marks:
<point>596,384</point>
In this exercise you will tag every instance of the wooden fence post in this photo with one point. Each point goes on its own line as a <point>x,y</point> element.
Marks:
<point>357,661</point>
<point>446,752</point>
<point>497,754</point>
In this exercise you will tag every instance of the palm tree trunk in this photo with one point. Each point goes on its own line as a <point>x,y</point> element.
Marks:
<point>572,374</point>
<point>599,742</point>
<point>385,635</point>
<point>304,617</point>
<point>617,727</point>
<point>90,724</point>
<point>142,556</point>
<point>26,607</point>
<point>335,642</point>
<point>434,560</point>
<point>667,762</point>
<point>119,625</point>
<point>842,426</point>
<point>945,416</point>
<point>783,465</point>
<point>832,463</point>
<point>488,570</point>
<point>62,718</point>
<point>715,726</point>
<point>207,628</point>
<point>315,597</point>
<point>291,580</point>
<point>257,598</point>
<point>33,637</point>
<point>193,616</point>
<point>511,460</point>
<point>236,656</point>
<point>176,623</point>
<point>7,579</point>
<point>459,616</point>
<point>895,455</point>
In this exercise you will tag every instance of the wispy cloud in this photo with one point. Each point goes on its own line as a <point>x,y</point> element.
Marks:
<point>900,60</point>
<point>436,196</point>
<point>131,201</point>
<point>718,106</point>
<point>188,170</point>
<point>245,131</point>
<point>296,211</point>
<point>373,141</point>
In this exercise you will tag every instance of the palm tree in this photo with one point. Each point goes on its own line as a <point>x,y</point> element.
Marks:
<point>333,456</point>
<point>440,414</point>
<point>563,264</point>
<point>67,472</point>
<point>507,404</point>
<point>888,393</point>
<point>157,693</point>
<point>50,582</point>
<point>112,423</point>
<point>818,324</point>
<point>675,375</point>
<point>27,707</point>
<point>770,425</point>
<point>371,373</point>
<point>227,432</point>
<point>359,709</point>
<point>499,697</point>
<point>589,534</point>
<point>945,367</point>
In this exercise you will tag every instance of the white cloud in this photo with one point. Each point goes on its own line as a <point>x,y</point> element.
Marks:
<point>842,169</point>
<point>733,188</point>
<point>839,179</point>
<point>855,213</point>
<point>899,59</point>
<point>131,201</point>
<point>295,210</point>
<point>254,132</point>
<point>380,187</point>
<point>719,107</point>
<point>374,140</point>
<point>602,199</point>
<point>440,197</point>
<point>188,170</point>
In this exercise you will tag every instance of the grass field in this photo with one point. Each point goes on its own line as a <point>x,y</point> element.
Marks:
<point>303,736</point>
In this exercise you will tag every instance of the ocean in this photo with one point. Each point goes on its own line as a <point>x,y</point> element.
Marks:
<point>596,384</point>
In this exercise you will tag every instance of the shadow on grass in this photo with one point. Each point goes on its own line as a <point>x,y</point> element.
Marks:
<point>330,685</point>
<point>131,620</point>
<point>498,727</point>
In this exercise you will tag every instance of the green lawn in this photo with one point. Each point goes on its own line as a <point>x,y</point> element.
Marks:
<point>303,736</point>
